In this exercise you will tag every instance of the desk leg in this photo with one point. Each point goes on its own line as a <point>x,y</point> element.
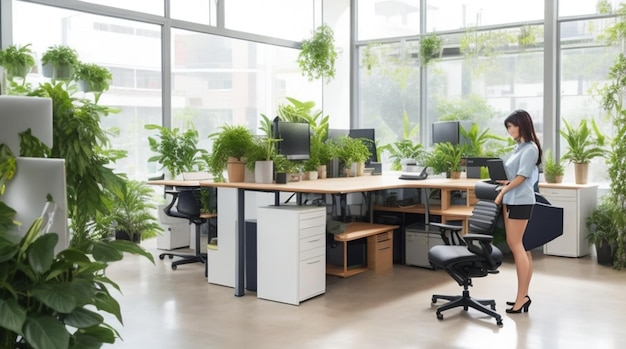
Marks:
<point>240,252</point>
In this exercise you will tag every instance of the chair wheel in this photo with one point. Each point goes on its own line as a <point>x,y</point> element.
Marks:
<point>433,300</point>
<point>439,316</point>
<point>161,257</point>
<point>499,322</point>
<point>171,256</point>
<point>174,267</point>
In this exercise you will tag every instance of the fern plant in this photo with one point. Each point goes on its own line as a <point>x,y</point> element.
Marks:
<point>318,54</point>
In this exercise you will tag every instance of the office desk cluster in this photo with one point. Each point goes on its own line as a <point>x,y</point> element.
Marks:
<point>377,234</point>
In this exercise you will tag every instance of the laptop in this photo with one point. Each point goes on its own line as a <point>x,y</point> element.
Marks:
<point>496,170</point>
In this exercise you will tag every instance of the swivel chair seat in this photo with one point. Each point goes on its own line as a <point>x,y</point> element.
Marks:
<point>185,204</point>
<point>473,255</point>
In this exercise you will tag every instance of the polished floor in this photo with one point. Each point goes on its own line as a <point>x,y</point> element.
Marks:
<point>576,303</point>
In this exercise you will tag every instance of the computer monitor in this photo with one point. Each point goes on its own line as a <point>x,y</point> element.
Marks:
<point>449,131</point>
<point>295,139</point>
<point>369,136</point>
<point>26,193</point>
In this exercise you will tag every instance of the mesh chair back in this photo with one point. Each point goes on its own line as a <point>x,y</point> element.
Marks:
<point>484,217</point>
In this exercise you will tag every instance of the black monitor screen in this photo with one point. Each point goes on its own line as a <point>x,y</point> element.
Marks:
<point>369,135</point>
<point>449,131</point>
<point>446,131</point>
<point>295,139</point>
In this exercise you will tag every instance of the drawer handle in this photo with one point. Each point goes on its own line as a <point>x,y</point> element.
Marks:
<point>317,261</point>
<point>384,248</point>
<point>314,240</point>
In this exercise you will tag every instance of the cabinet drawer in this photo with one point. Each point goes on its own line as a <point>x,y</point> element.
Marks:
<point>314,252</point>
<point>312,241</point>
<point>558,193</point>
<point>308,220</point>
<point>310,231</point>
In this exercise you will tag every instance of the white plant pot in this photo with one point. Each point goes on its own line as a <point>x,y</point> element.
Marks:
<point>263,171</point>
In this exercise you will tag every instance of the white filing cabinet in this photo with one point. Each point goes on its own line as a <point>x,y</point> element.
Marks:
<point>419,240</point>
<point>577,201</point>
<point>291,252</point>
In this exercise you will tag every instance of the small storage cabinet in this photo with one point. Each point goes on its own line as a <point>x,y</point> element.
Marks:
<point>419,240</point>
<point>577,201</point>
<point>291,251</point>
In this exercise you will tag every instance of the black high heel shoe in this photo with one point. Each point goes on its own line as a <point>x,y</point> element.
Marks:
<point>513,303</point>
<point>524,308</point>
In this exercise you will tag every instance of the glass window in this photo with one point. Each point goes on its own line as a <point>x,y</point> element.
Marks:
<point>155,7</point>
<point>199,11</point>
<point>389,90</point>
<point>459,14</point>
<point>384,19</point>
<point>578,8</point>
<point>585,63</point>
<point>285,19</point>
<point>218,80</point>
<point>123,47</point>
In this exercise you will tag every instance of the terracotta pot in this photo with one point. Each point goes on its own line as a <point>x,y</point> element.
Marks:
<point>322,172</point>
<point>236,170</point>
<point>455,175</point>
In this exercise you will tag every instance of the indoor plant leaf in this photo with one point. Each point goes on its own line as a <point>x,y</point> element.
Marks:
<point>13,315</point>
<point>46,332</point>
<point>41,252</point>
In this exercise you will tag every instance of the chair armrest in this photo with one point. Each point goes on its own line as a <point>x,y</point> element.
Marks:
<point>449,233</point>
<point>167,209</point>
<point>480,244</point>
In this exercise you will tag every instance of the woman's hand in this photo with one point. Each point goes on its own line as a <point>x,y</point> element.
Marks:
<point>498,199</point>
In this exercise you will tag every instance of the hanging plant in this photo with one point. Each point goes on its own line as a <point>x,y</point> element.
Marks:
<point>317,56</point>
<point>430,48</point>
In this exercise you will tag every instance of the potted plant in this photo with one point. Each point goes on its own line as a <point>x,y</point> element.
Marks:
<point>402,151</point>
<point>230,145</point>
<point>17,61</point>
<point>50,301</point>
<point>177,151</point>
<point>430,48</point>
<point>585,143</point>
<point>552,170</point>
<point>317,55</point>
<point>603,233</point>
<point>59,62</point>
<point>446,157</point>
<point>260,156</point>
<point>92,77</point>
<point>131,212</point>
<point>353,153</point>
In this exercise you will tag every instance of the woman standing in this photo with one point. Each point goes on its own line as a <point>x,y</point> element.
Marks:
<point>518,198</point>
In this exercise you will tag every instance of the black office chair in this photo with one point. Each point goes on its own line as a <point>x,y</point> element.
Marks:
<point>185,204</point>
<point>473,255</point>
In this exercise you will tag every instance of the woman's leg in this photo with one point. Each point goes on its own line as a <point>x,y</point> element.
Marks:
<point>523,263</point>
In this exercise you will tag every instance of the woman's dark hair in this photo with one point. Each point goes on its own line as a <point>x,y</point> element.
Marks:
<point>522,119</point>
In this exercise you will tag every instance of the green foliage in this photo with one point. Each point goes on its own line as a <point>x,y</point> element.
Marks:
<point>602,223</point>
<point>177,151</point>
<point>430,48</point>
<point>317,56</point>
<point>130,211</point>
<point>551,168</point>
<point>402,150</point>
<point>60,55</point>
<point>79,139</point>
<point>583,144</point>
<point>17,60</point>
<point>232,141</point>
<point>7,166</point>
<point>446,157</point>
<point>470,107</point>
<point>351,150</point>
<point>604,7</point>
<point>55,302</point>
<point>478,141</point>
<point>95,77</point>
<point>31,146</point>
<point>612,101</point>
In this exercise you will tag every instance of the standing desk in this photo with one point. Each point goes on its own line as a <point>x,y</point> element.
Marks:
<point>333,186</point>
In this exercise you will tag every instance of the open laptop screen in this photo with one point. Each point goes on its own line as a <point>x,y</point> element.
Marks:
<point>496,170</point>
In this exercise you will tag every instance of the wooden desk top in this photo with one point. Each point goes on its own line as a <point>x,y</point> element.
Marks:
<point>337,185</point>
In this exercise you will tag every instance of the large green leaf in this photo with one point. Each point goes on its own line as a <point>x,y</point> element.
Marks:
<point>131,247</point>
<point>107,303</point>
<point>41,252</point>
<point>13,315</point>
<point>7,250</point>
<point>58,296</point>
<point>104,252</point>
<point>46,332</point>
<point>85,338</point>
<point>83,318</point>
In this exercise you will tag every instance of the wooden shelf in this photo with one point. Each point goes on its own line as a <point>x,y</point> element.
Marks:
<point>358,230</point>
